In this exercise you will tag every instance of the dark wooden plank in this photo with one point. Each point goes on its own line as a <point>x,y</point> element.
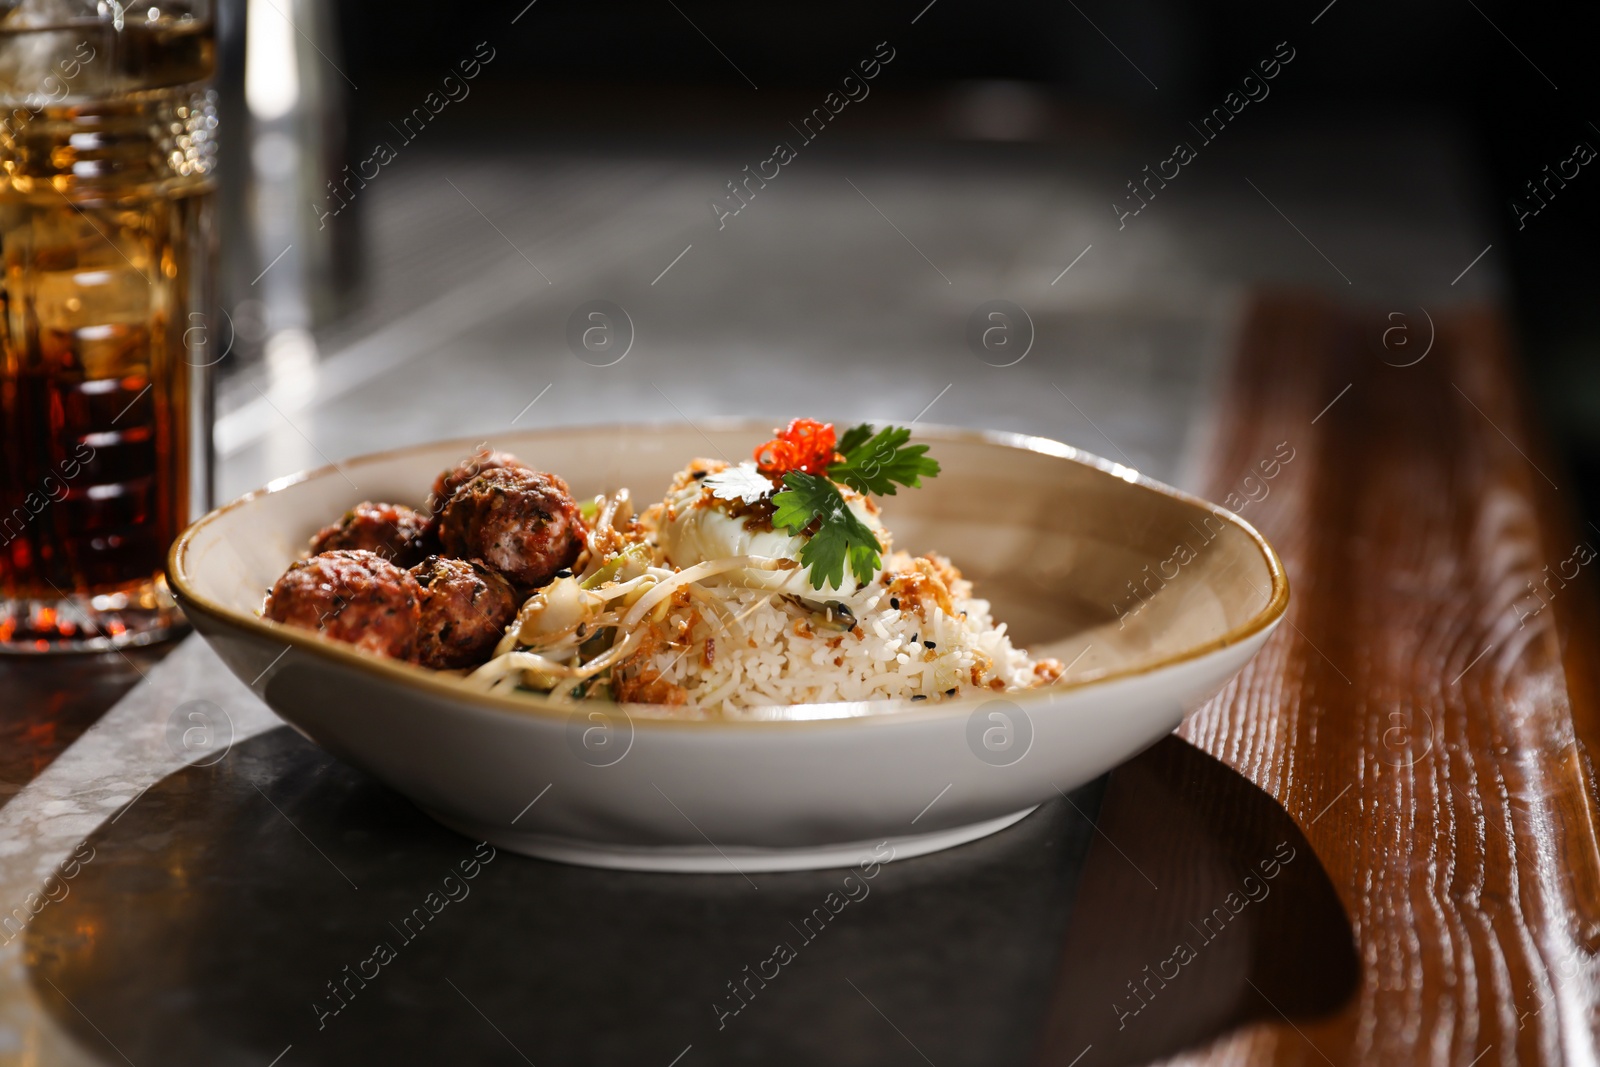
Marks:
<point>1425,719</point>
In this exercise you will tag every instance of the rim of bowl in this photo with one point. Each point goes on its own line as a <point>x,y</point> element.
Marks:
<point>787,715</point>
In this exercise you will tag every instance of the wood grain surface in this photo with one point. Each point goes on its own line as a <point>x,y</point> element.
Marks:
<point>1426,716</point>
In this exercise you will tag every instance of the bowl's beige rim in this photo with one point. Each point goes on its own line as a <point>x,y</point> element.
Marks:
<point>895,710</point>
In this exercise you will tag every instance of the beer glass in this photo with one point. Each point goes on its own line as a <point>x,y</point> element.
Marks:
<point>108,149</point>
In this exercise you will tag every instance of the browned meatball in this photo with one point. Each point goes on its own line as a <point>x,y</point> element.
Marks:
<point>522,523</point>
<point>485,459</point>
<point>357,597</point>
<point>393,531</point>
<point>465,610</point>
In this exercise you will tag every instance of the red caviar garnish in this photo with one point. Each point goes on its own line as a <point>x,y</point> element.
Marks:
<point>804,445</point>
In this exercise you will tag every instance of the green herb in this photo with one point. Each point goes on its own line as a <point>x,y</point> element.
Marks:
<point>854,438</point>
<point>840,535</point>
<point>877,462</point>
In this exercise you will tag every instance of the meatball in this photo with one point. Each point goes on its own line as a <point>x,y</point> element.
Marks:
<point>393,531</point>
<point>523,524</point>
<point>465,610</point>
<point>357,597</point>
<point>485,459</point>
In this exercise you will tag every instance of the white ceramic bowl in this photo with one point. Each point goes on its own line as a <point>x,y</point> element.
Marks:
<point>1155,598</point>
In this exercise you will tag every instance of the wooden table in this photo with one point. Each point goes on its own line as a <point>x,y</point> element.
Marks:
<point>1376,846</point>
<point>1417,736</point>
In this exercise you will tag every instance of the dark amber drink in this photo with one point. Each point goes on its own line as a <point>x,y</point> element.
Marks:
<point>107,140</point>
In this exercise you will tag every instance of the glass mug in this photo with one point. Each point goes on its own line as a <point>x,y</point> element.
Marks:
<point>107,241</point>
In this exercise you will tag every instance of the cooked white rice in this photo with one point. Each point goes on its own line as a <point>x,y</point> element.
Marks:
<point>763,652</point>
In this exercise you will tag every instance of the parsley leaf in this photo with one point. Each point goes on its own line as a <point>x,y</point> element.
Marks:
<point>876,462</point>
<point>869,463</point>
<point>854,438</point>
<point>805,497</point>
<point>840,537</point>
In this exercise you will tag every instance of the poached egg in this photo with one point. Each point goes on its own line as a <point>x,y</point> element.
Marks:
<point>697,526</point>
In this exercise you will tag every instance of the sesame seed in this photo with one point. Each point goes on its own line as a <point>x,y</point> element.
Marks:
<point>929,644</point>
<point>564,573</point>
<point>894,602</point>
<point>919,696</point>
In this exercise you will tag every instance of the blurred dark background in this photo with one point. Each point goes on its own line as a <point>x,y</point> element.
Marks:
<point>1515,83</point>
